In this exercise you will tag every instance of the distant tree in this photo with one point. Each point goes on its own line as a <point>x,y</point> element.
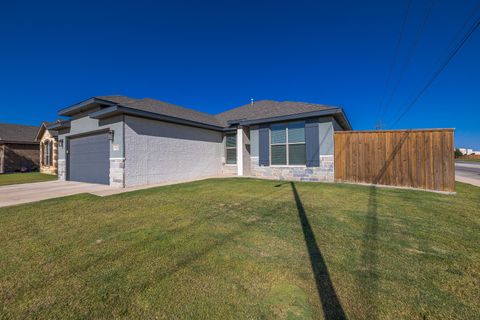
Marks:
<point>458,153</point>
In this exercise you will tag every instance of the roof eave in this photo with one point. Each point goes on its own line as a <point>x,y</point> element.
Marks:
<point>59,125</point>
<point>344,122</point>
<point>303,115</point>
<point>116,110</point>
<point>83,106</point>
<point>40,132</point>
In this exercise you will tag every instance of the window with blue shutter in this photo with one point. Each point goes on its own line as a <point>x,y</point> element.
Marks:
<point>287,143</point>
<point>278,144</point>
<point>296,143</point>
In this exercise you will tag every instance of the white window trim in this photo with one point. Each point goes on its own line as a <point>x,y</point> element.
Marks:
<point>226,148</point>
<point>286,144</point>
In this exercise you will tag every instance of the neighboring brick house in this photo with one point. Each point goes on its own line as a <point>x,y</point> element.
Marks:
<point>48,148</point>
<point>122,141</point>
<point>18,148</point>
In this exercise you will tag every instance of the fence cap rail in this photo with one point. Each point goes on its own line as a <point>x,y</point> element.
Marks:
<point>398,130</point>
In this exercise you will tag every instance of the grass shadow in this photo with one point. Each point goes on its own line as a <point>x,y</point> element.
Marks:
<point>368,275</point>
<point>331,305</point>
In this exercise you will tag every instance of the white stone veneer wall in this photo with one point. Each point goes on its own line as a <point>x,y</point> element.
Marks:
<point>117,172</point>
<point>62,170</point>
<point>325,172</point>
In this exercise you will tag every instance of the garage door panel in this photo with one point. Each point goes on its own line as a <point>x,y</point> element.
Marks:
<point>89,159</point>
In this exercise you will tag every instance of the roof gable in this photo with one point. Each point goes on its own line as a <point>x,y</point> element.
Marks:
<point>43,128</point>
<point>265,109</point>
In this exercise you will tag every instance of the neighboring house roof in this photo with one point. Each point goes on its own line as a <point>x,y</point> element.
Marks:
<point>44,126</point>
<point>10,132</point>
<point>258,112</point>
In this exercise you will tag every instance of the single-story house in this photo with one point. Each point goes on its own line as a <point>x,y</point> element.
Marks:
<point>124,142</point>
<point>18,148</point>
<point>48,148</point>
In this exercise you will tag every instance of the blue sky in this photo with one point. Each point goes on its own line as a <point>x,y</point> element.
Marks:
<point>212,56</point>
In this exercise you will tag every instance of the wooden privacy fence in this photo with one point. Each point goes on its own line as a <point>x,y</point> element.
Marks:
<point>408,158</point>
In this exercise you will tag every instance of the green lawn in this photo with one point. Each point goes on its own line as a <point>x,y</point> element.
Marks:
<point>16,178</point>
<point>244,249</point>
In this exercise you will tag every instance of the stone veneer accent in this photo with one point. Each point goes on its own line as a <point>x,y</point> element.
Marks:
<point>117,172</point>
<point>229,170</point>
<point>323,173</point>
<point>47,137</point>
<point>62,169</point>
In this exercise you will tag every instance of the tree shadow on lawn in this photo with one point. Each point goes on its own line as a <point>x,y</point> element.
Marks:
<point>331,305</point>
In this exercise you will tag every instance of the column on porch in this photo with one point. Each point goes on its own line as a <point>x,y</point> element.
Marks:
<point>243,151</point>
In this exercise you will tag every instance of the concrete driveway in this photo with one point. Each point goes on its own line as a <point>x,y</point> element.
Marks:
<point>31,192</point>
<point>468,172</point>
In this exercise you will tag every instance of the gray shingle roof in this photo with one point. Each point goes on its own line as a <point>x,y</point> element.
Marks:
<point>164,108</point>
<point>10,132</point>
<point>123,100</point>
<point>268,109</point>
<point>259,110</point>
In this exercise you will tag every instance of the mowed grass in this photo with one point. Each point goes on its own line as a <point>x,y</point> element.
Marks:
<point>244,249</point>
<point>17,178</point>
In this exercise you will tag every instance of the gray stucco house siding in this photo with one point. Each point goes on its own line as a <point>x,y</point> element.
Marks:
<point>157,151</point>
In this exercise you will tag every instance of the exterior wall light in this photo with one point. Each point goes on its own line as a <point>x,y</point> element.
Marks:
<point>110,135</point>
<point>60,143</point>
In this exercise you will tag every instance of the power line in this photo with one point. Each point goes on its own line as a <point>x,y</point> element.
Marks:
<point>394,60</point>
<point>475,9</point>
<point>440,70</point>
<point>410,55</point>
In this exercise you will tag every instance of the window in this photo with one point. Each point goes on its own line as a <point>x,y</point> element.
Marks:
<point>231,148</point>
<point>287,144</point>
<point>47,159</point>
<point>44,153</point>
<point>50,153</point>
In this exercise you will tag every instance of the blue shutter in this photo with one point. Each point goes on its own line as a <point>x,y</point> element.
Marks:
<point>263,145</point>
<point>312,143</point>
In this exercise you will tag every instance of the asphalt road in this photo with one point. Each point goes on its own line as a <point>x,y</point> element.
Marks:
<point>468,172</point>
